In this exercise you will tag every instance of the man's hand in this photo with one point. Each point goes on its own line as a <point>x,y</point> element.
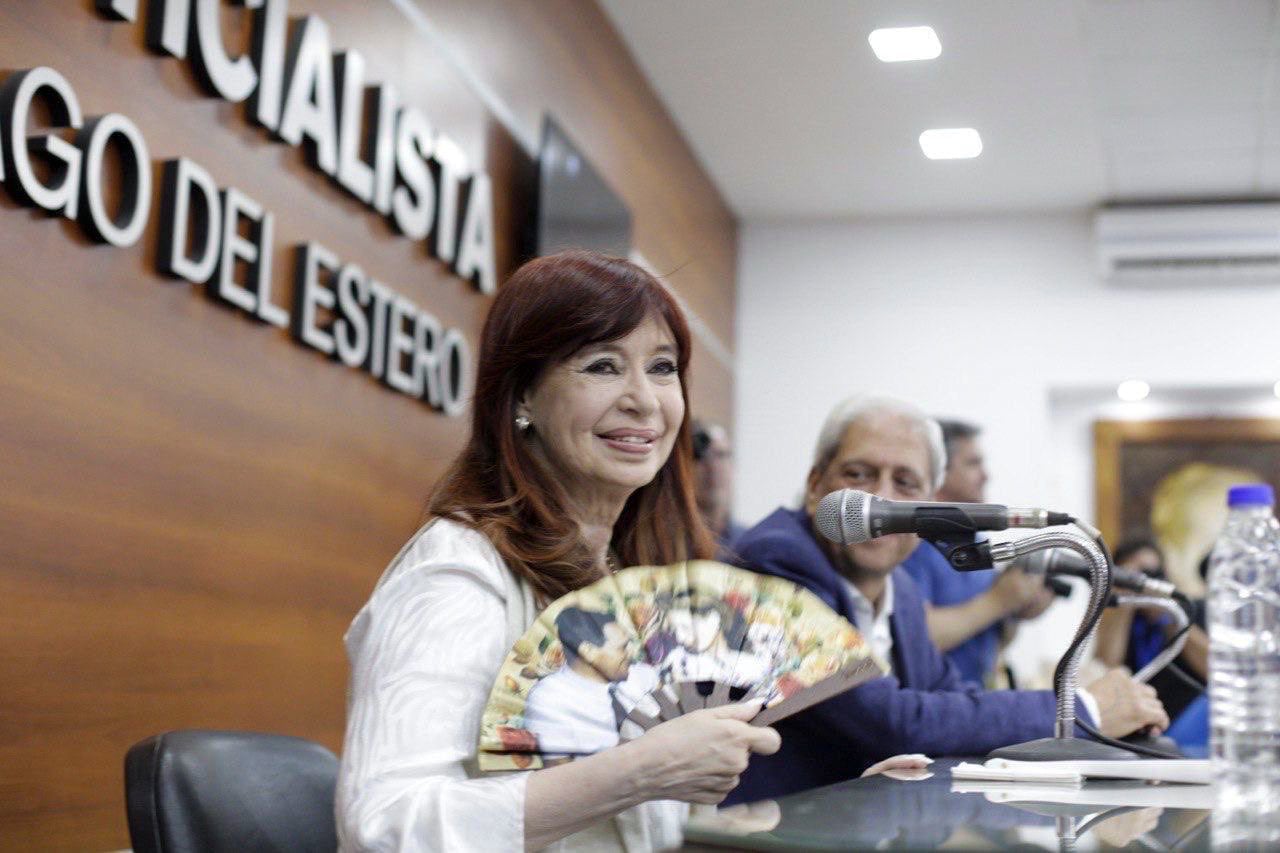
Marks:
<point>1038,604</point>
<point>1016,590</point>
<point>1126,705</point>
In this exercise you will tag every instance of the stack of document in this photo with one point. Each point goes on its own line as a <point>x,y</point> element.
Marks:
<point>1003,770</point>
<point>1073,773</point>
<point>1101,793</point>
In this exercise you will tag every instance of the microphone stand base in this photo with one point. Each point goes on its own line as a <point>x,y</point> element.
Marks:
<point>1062,749</point>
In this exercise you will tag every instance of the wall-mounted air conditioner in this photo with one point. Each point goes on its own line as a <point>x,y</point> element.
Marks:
<point>1189,243</point>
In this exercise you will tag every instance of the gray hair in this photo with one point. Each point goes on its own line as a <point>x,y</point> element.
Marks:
<point>849,411</point>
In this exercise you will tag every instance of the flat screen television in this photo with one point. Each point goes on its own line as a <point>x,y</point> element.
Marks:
<point>576,209</point>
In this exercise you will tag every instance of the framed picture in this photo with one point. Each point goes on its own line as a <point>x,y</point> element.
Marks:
<point>1169,479</point>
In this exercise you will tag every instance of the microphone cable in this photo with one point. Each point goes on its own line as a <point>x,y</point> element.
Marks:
<point>1135,748</point>
<point>1174,667</point>
<point>1187,678</point>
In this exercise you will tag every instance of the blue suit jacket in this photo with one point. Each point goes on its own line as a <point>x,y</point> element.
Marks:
<point>922,707</point>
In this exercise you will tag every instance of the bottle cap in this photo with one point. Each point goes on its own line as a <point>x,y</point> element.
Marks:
<point>1251,494</point>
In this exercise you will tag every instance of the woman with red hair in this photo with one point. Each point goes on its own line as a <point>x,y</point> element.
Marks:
<point>581,398</point>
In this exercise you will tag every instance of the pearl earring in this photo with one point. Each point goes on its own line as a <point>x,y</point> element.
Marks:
<point>522,423</point>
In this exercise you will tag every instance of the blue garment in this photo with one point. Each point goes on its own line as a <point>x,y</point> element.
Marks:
<point>1146,639</point>
<point>943,586</point>
<point>724,542</point>
<point>1190,731</point>
<point>922,707</point>
<point>732,530</point>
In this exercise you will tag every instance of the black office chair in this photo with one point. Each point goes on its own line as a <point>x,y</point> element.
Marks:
<point>198,790</point>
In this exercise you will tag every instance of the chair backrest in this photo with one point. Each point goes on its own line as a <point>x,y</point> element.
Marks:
<point>198,790</point>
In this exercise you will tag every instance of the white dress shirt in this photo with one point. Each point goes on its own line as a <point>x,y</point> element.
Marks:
<point>874,625</point>
<point>424,652</point>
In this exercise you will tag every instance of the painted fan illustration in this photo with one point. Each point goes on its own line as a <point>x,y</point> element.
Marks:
<point>607,662</point>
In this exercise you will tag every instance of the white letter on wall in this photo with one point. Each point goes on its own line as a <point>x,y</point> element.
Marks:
<point>233,80</point>
<point>15,105</point>
<point>309,102</point>
<point>308,292</point>
<point>179,210</point>
<point>135,198</point>
<point>413,205</point>
<point>167,25</point>
<point>353,173</point>
<point>475,255</point>
<point>452,163</point>
<point>234,247</point>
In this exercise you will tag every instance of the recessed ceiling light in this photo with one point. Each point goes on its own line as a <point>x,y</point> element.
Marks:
<point>1133,390</point>
<point>904,44</point>
<point>951,143</point>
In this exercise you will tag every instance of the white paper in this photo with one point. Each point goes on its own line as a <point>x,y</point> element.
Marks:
<point>1104,794</point>
<point>1185,770</point>
<point>1036,771</point>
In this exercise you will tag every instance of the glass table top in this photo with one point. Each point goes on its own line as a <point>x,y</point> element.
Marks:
<point>933,811</point>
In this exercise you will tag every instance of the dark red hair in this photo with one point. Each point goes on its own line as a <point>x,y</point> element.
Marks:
<point>549,309</point>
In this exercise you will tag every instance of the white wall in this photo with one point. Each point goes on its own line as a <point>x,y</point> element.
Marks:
<point>977,318</point>
<point>1000,321</point>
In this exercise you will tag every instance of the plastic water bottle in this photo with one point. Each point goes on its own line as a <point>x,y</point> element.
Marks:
<point>1244,671</point>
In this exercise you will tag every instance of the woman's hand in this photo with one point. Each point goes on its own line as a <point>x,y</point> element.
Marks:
<point>698,757</point>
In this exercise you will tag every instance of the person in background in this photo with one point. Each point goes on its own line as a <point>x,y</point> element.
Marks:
<point>1132,636</point>
<point>891,449</point>
<point>569,471</point>
<point>713,480</point>
<point>971,614</point>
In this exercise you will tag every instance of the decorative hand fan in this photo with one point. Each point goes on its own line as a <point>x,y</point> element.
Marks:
<point>607,662</point>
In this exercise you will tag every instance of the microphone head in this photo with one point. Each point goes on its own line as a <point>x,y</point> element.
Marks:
<point>842,517</point>
<point>1142,582</point>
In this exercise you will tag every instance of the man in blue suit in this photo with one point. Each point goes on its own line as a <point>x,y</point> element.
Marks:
<point>891,449</point>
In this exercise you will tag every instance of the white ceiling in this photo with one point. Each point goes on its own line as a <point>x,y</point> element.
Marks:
<point>1079,102</point>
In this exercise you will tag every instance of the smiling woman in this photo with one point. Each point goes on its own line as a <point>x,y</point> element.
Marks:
<point>581,395</point>
<point>606,417</point>
<point>580,452</point>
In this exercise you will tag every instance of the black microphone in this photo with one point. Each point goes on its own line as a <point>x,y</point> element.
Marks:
<point>1065,562</point>
<point>1127,579</point>
<point>850,516</point>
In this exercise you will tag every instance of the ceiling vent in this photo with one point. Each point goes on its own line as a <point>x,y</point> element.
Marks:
<point>1189,244</point>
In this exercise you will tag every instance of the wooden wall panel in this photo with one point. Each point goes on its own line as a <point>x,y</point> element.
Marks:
<point>193,506</point>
